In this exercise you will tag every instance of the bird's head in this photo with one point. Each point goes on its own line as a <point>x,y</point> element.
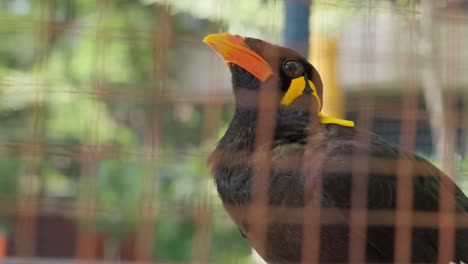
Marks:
<point>256,64</point>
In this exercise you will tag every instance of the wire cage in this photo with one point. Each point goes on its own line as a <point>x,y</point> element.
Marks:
<point>109,110</point>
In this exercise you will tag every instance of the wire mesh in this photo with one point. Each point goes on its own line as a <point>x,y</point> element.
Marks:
<point>110,109</point>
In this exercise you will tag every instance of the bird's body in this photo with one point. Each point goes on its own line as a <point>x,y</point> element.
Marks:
<point>307,150</point>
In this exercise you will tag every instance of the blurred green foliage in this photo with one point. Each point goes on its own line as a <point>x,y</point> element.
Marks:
<point>55,56</point>
<point>9,167</point>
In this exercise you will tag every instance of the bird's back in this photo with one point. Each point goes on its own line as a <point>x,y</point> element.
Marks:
<point>353,153</point>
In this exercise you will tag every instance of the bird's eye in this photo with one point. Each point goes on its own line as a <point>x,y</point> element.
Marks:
<point>293,69</point>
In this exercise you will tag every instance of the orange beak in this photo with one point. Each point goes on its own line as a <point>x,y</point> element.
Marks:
<point>233,50</point>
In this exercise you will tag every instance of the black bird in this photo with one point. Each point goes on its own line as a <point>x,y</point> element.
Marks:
<point>308,148</point>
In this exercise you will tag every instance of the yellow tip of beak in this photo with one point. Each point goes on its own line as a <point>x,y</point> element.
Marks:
<point>233,49</point>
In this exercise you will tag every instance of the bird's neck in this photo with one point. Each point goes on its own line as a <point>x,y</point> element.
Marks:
<point>289,126</point>
<point>240,135</point>
<point>236,147</point>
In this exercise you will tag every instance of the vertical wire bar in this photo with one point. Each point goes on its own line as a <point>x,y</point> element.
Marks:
<point>464,127</point>
<point>96,147</point>
<point>404,179</point>
<point>447,225</point>
<point>203,219</point>
<point>29,181</point>
<point>447,201</point>
<point>211,113</point>
<point>261,165</point>
<point>360,168</point>
<point>150,203</point>
<point>359,188</point>
<point>87,206</point>
<point>257,213</point>
<point>87,238</point>
<point>312,169</point>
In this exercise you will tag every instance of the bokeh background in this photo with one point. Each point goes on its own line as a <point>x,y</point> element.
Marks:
<point>110,108</point>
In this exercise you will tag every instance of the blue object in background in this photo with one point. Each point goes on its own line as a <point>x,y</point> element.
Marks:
<point>296,25</point>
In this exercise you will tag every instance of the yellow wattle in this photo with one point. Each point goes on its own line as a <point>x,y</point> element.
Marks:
<point>297,88</point>
<point>326,119</point>
<point>337,121</point>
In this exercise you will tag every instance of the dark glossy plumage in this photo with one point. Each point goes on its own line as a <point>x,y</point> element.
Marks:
<point>335,147</point>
